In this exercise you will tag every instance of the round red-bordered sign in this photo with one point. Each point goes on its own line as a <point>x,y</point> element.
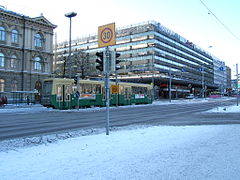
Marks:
<point>106,35</point>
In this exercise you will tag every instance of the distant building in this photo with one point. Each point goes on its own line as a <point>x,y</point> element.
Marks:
<point>152,54</point>
<point>26,51</point>
<point>234,85</point>
<point>228,77</point>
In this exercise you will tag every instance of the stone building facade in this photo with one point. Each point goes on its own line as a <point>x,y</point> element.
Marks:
<point>26,51</point>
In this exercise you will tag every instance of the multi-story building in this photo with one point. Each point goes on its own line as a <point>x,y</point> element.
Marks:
<point>152,54</point>
<point>26,51</point>
<point>228,74</point>
<point>220,74</point>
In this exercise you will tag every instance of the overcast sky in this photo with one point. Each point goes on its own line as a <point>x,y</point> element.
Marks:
<point>189,18</point>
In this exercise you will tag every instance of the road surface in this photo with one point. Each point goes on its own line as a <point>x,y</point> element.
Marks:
<point>25,124</point>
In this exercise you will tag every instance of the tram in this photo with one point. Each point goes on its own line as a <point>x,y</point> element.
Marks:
<point>62,93</point>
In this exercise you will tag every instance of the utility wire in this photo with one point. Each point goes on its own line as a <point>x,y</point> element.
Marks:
<point>220,21</point>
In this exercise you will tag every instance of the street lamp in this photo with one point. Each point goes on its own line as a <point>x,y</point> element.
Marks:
<point>222,79</point>
<point>170,84</point>
<point>70,15</point>
<point>201,69</point>
<point>153,88</point>
<point>203,88</point>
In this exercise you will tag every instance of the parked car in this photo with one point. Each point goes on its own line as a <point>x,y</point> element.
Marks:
<point>190,96</point>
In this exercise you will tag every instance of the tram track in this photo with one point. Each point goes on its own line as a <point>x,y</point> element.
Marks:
<point>54,122</point>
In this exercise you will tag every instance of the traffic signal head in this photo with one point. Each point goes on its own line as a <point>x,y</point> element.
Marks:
<point>117,55</point>
<point>117,61</point>
<point>100,61</point>
<point>99,54</point>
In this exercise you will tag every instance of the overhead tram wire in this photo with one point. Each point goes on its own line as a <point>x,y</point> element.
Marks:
<point>220,21</point>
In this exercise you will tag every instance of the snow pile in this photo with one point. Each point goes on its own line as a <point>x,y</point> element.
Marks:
<point>25,142</point>
<point>226,109</point>
<point>191,152</point>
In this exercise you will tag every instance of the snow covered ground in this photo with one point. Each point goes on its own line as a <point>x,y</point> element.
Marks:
<point>191,152</point>
<point>226,109</point>
<point>135,152</point>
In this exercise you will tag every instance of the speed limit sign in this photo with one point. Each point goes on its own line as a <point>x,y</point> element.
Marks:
<point>106,35</point>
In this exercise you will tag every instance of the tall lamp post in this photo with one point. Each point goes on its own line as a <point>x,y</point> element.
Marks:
<point>170,85</point>
<point>203,88</point>
<point>70,16</point>
<point>153,89</point>
<point>223,80</point>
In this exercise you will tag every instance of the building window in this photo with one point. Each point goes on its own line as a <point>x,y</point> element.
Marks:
<point>38,40</point>
<point>13,62</point>
<point>14,85</point>
<point>1,60</point>
<point>1,85</point>
<point>2,34</point>
<point>15,36</point>
<point>38,63</point>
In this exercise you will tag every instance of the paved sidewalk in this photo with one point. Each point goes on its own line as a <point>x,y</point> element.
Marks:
<point>23,105</point>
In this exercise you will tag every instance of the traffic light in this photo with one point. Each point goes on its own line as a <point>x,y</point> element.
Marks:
<point>117,61</point>
<point>100,61</point>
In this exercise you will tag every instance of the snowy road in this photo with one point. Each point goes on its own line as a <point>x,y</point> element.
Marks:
<point>46,121</point>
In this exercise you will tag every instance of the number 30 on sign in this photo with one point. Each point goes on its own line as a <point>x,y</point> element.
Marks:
<point>106,35</point>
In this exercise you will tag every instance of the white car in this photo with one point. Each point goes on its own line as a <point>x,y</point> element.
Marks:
<point>190,96</point>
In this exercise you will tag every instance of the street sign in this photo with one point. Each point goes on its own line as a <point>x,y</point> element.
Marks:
<point>115,89</point>
<point>106,35</point>
<point>221,68</point>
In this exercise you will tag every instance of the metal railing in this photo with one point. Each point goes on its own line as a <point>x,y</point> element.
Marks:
<point>19,97</point>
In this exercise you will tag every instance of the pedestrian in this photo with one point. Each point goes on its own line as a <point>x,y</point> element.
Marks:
<point>28,100</point>
<point>0,101</point>
<point>77,94</point>
<point>6,100</point>
<point>3,101</point>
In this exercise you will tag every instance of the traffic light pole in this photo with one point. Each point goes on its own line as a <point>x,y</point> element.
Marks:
<point>237,83</point>
<point>78,89</point>
<point>107,87</point>
<point>116,83</point>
